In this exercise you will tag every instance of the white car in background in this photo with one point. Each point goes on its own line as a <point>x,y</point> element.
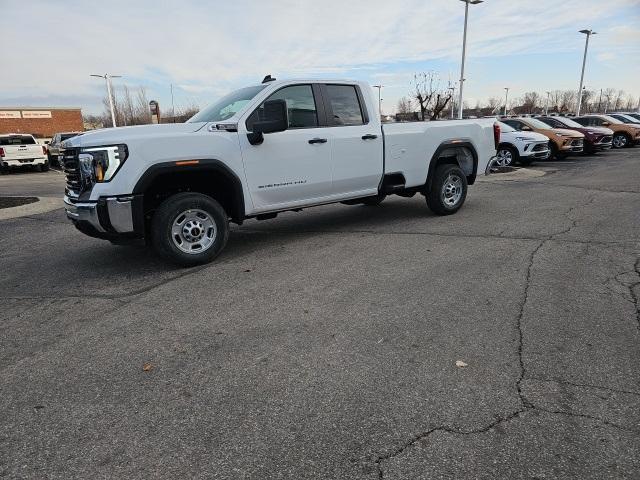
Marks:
<point>520,147</point>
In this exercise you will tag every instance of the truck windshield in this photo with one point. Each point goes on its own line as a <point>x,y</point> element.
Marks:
<point>227,106</point>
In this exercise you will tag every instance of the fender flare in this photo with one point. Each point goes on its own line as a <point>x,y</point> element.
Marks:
<point>454,144</point>
<point>203,165</point>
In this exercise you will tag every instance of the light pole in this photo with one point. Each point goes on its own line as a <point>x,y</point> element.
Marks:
<point>379,87</point>
<point>546,106</point>
<point>107,79</point>
<point>506,99</point>
<point>453,89</point>
<point>588,33</point>
<point>464,48</point>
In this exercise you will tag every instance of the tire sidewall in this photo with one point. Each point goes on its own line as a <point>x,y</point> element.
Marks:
<point>514,154</point>
<point>624,136</point>
<point>167,212</point>
<point>434,197</point>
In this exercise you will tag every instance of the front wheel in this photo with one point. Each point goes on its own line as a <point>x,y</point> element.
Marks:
<point>620,140</point>
<point>448,190</point>
<point>189,229</point>
<point>506,156</point>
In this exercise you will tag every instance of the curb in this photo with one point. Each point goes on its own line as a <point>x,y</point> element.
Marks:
<point>519,174</point>
<point>44,204</point>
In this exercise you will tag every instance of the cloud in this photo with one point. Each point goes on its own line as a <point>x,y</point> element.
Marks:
<point>206,48</point>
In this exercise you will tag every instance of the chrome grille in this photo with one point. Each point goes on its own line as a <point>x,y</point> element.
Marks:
<point>577,142</point>
<point>606,139</point>
<point>71,169</point>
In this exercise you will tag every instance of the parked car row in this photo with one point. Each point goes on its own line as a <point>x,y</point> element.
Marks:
<point>525,139</point>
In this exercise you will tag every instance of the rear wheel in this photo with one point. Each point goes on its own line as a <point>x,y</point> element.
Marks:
<point>620,140</point>
<point>448,190</point>
<point>189,229</point>
<point>506,156</point>
<point>44,167</point>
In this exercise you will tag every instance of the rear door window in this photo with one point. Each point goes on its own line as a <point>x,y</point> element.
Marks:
<point>344,105</point>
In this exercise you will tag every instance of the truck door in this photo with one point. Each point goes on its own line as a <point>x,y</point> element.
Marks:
<point>294,166</point>
<point>357,150</point>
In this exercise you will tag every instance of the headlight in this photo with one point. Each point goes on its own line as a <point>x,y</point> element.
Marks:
<point>100,164</point>
<point>524,139</point>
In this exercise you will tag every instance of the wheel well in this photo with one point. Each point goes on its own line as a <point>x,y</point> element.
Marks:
<point>464,156</point>
<point>214,183</point>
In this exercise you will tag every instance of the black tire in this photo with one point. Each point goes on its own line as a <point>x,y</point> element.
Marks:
<point>503,152</point>
<point>44,167</point>
<point>374,201</point>
<point>437,195</point>
<point>621,140</point>
<point>188,205</point>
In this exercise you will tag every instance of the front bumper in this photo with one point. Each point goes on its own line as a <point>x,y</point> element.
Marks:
<point>575,146</point>
<point>538,150</point>
<point>108,218</point>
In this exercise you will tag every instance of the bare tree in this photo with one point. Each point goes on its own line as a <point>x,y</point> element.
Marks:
<point>404,105</point>
<point>568,101</point>
<point>428,92</point>
<point>530,102</point>
<point>493,105</point>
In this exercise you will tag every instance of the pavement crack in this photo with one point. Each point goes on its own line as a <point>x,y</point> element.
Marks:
<point>590,417</point>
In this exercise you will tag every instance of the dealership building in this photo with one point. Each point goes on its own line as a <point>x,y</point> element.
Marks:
<point>41,122</point>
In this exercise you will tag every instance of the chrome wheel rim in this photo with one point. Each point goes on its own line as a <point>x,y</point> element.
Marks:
<point>193,231</point>
<point>619,141</point>
<point>504,158</point>
<point>451,190</point>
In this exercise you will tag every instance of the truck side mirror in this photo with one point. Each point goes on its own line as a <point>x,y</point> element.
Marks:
<point>275,120</point>
<point>526,128</point>
<point>606,124</point>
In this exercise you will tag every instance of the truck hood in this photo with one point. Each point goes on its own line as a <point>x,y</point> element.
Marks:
<point>116,135</point>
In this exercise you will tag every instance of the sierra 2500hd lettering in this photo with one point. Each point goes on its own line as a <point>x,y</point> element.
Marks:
<point>261,150</point>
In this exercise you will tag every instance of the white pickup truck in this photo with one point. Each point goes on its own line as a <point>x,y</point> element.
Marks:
<point>21,150</point>
<point>261,150</point>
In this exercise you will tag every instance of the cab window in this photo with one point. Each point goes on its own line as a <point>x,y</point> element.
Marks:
<point>301,107</point>
<point>345,105</point>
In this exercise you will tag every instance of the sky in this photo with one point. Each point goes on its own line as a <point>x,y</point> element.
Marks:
<point>207,48</point>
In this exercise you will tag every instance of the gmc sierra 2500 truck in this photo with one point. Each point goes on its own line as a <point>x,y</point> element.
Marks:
<point>261,150</point>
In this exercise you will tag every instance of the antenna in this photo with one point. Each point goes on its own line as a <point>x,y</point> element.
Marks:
<point>268,79</point>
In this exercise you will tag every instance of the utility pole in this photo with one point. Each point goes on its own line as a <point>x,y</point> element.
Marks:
<point>506,100</point>
<point>546,107</point>
<point>173,108</point>
<point>600,101</point>
<point>107,79</point>
<point>453,89</point>
<point>588,33</point>
<point>464,49</point>
<point>379,87</point>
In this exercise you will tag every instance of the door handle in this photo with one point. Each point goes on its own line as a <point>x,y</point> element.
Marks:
<point>369,136</point>
<point>318,140</point>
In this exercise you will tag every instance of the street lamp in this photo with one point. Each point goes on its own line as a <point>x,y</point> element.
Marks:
<point>379,87</point>
<point>546,106</point>
<point>464,48</point>
<point>107,79</point>
<point>453,89</point>
<point>588,33</point>
<point>506,99</point>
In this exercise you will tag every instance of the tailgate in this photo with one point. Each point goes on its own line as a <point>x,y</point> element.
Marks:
<point>22,151</point>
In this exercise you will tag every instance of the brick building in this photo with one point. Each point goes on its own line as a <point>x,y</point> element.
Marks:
<point>41,122</point>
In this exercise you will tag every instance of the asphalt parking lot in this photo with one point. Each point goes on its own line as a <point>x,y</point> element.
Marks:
<point>323,344</point>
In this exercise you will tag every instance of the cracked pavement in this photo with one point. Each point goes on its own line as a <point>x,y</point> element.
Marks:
<point>323,344</point>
